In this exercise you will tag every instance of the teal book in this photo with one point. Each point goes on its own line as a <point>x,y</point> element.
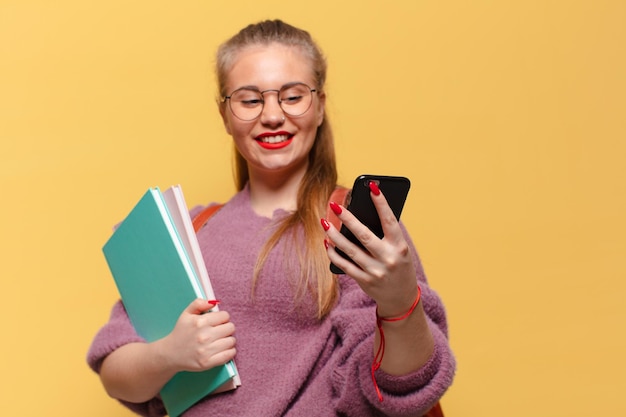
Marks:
<point>156,279</point>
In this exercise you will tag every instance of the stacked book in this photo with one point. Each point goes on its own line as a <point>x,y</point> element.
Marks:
<point>156,263</point>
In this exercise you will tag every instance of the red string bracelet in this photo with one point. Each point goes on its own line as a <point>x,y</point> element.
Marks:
<point>378,358</point>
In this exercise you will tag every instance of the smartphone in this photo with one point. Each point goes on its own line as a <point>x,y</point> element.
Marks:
<point>359,203</point>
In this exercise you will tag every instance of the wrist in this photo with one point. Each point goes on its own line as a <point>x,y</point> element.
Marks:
<point>380,352</point>
<point>160,353</point>
<point>399,308</point>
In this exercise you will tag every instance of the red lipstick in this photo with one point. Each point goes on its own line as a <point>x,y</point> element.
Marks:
<point>274,140</point>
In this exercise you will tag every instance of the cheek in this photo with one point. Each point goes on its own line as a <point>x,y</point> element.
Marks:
<point>235,127</point>
<point>240,132</point>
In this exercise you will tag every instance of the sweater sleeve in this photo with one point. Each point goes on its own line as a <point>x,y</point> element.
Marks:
<point>119,331</point>
<point>408,395</point>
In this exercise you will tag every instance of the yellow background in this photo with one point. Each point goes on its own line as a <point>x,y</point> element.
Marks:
<point>509,118</point>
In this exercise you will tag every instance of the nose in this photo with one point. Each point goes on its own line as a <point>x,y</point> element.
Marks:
<point>272,114</point>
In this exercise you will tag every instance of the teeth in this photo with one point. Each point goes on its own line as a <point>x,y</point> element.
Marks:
<point>274,139</point>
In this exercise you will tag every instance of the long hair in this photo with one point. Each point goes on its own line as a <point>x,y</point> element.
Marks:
<point>319,180</point>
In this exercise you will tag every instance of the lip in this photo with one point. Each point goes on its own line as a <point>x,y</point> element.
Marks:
<point>274,145</point>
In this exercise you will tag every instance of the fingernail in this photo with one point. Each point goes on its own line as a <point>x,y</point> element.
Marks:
<point>326,244</point>
<point>325,224</point>
<point>374,188</point>
<point>336,208</point>
<point>213,303</point>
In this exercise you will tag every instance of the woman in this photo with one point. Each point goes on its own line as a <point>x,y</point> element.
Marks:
<point>307,342</point>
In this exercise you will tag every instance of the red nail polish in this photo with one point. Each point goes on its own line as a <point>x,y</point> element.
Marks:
<point>374,188</point>
<point>213,302</point>
<point>336,208</point>
<point>326,244</point>
<point>325,224</point>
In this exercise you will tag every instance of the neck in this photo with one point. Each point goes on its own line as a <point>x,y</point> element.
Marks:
<point>270,192</point>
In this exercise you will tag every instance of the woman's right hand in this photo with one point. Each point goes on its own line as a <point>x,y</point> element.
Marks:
<point>136,372</point>
<point>200,341</point>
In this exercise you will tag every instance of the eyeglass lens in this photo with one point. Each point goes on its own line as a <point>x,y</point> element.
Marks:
<point>294,100</point>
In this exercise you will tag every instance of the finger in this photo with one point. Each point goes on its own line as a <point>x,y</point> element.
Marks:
<point>388,220</point>
<point>222,357</point>
<point>199,306</point>
<point>215,319</point>
<point>361,232</point>
<point>224,343</point>
<point>226,330</point>
<point>349,268</point>
<point>367,256</point>
<point>210,337</point>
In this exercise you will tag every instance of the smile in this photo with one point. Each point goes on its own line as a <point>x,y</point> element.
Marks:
<point>274,141</point>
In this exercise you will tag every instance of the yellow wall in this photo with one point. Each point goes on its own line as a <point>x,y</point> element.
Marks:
<point>509,117</point>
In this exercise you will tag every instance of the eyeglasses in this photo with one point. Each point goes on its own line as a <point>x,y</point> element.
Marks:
<point>247,103</point>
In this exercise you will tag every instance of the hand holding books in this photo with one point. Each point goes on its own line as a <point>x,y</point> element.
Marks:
<point>201,341</point>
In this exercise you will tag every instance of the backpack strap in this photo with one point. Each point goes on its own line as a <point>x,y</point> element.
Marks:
<point>338,196</point>
<point>201,218</point>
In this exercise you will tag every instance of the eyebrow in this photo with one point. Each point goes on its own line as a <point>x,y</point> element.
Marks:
<point>255,88</point>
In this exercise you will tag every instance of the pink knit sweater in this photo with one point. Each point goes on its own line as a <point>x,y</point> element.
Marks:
<point>290,364</point>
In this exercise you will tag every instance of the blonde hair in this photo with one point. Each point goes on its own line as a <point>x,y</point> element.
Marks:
<point>319,180</point>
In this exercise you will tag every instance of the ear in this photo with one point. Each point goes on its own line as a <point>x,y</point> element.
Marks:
<point>225,119</point>
<point>321,107</point>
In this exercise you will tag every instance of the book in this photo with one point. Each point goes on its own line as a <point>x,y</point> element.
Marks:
<point>175,202</point>
<point>157,279</point>
<point>179,212</point>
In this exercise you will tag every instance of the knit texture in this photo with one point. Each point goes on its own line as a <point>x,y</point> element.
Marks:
<point>291,364</point>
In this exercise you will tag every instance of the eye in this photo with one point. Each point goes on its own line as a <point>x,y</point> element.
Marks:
<point>291,99</point>
<point>293,95</point>
<point>251,102</point>
<point>247,98</point>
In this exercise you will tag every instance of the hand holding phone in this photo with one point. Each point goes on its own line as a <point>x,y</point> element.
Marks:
<point>359,203</point>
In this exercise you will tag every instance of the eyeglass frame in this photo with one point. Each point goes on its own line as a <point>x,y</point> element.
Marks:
<point>284,87</point>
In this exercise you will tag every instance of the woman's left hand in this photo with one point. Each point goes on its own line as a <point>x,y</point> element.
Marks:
<point>385,271</point>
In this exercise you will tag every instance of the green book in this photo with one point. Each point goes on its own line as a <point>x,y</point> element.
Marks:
<point>156,279</point>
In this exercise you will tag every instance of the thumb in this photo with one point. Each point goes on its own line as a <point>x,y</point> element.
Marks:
<point>200,306</point>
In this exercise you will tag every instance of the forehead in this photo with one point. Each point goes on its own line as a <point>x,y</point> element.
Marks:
<point>269,67</point>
